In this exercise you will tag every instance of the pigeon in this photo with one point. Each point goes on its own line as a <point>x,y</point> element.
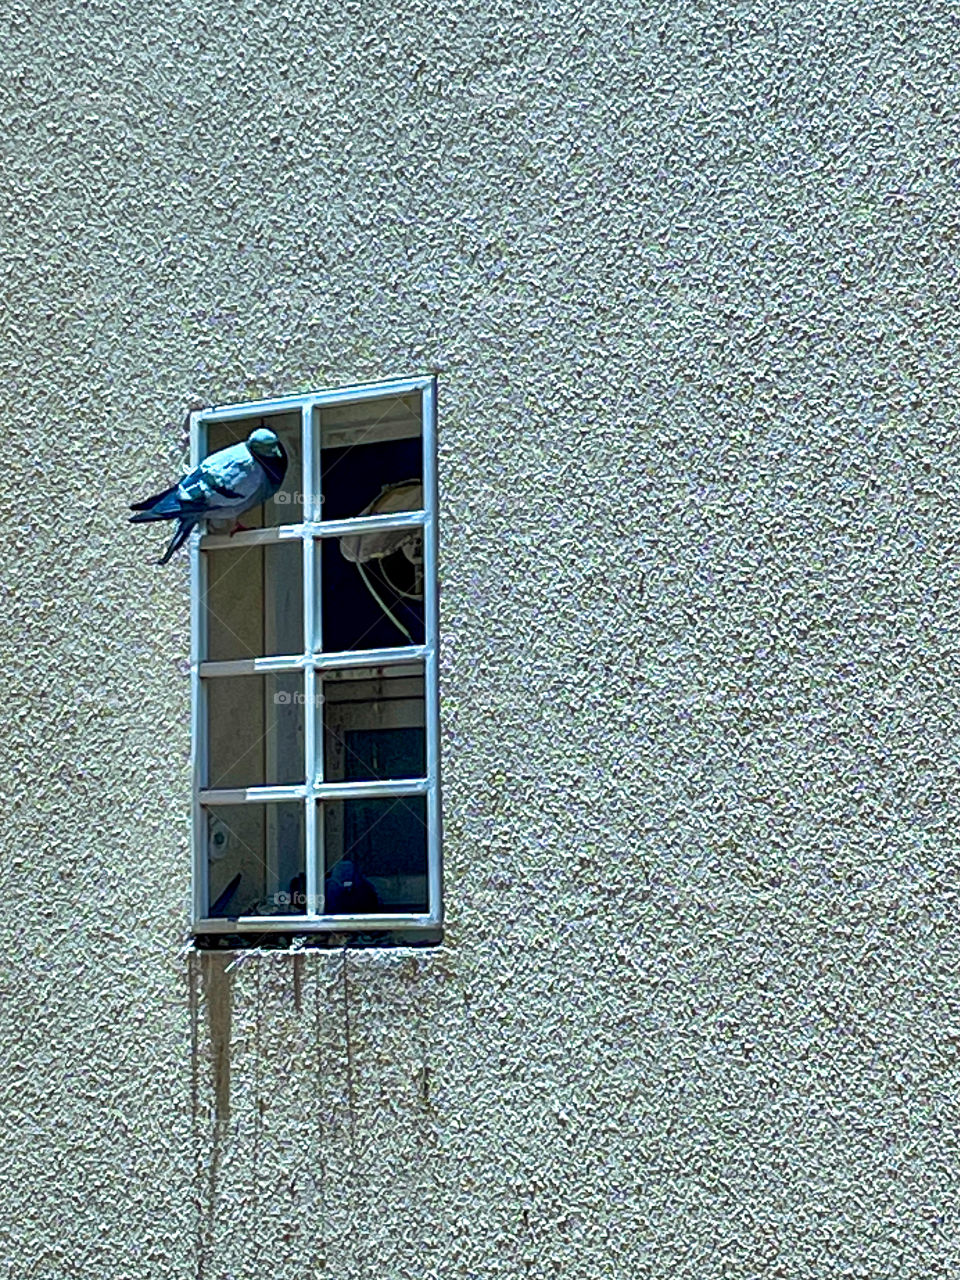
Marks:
<point>224,486</point>
<point>347,892</point>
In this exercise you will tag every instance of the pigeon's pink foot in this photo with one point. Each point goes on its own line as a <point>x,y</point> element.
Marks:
<point>240,528</point>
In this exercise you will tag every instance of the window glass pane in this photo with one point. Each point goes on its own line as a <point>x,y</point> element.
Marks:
<point>375,854</point>
<point>371,457</point>
<point>286,506</point>
<point>372,590</point>
<point>373,724</point>
<point>255,730</point>
<point>255,859</point>
<point>254,601</point>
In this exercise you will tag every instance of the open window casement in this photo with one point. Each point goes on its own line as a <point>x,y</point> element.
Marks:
<point>314,663</point>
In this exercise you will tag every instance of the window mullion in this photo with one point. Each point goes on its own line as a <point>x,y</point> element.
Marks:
<point>369,524</point>
<point>431,669</point>
<point>373,789</point>
<point>198,652</point>
<point>311,638</point>
<point>252,666</point>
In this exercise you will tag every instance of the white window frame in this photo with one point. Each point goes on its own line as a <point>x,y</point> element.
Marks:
<point>312,662</point>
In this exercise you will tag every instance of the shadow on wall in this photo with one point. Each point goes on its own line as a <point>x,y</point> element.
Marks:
<point>224,1149</point>
<point>211,978</point>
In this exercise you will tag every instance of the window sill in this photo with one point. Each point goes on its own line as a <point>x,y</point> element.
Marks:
<point>297,943</point>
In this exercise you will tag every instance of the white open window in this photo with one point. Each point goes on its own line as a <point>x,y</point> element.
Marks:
<point>314,667</point>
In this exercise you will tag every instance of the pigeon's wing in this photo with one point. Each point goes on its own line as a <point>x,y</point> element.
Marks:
<point>228,482</point>
<point>231,481</point>
<point>220,480</point>
<point>149,503</point>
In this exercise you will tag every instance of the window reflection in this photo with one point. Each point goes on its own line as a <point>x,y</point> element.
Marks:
<point>372,605</point>
<point>367,448</point>
<point>255,859</point>
<point>254,601</point>
<point>373,724</point>
<point>384,841</point>
<point>255,730</point>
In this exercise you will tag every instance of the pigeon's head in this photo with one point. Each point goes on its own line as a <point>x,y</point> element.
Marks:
<point>264,442</point>
<point>344,873</point>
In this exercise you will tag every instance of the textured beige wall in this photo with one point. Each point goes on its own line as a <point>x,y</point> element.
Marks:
<point>689,275</point>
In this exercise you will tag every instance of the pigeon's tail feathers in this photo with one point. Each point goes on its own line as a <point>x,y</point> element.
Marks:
<point>179,538</point>
<point>147,503</point>
<point>143,516</point>
<point>162,506</point>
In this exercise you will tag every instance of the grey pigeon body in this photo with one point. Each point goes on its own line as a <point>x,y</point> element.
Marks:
<point>224,486</point>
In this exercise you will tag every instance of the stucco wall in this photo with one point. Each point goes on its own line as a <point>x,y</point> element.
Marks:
<point>688,275</point>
